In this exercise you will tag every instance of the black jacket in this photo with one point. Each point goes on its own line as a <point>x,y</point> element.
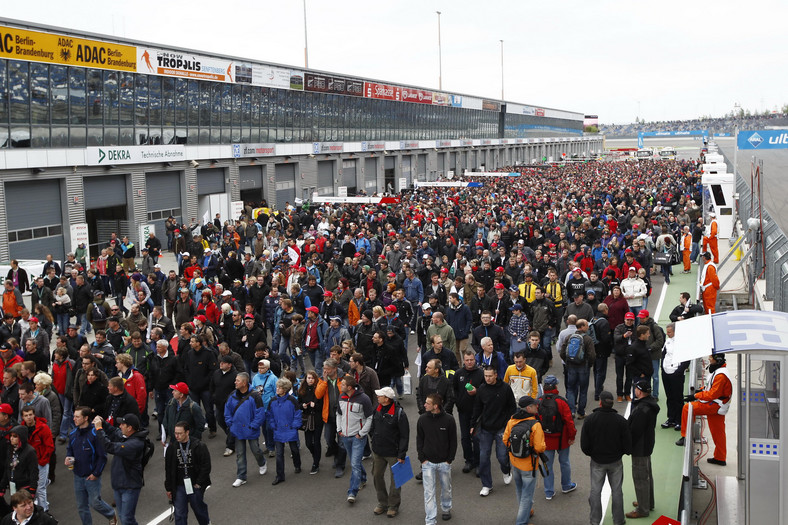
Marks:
<point>462,377</point>
<point>198,368</point>
<point>390,431</point>
<point>436,437</point>
<point>494,406</point>
<point>25,475</point>
<point>127,464</point>
<point>440,385</point>
<point>197,465</point>
<point>639,360</point>
<point>164,371</point>
<point>495,332</point>
<point>222,385</point>
<point>642,422</point>
<point>605,436</point>
<point>39,517</point>
<point>118,406</point>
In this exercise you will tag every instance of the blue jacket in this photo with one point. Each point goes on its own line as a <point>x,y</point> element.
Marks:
<point>89,456</point>
<point>245,422</point>
<point>265,384</point>
<point>460,319</point>
<point>414,290</point>
<point>127,465</point>
<point>284,417</point>
<point>322,328</point>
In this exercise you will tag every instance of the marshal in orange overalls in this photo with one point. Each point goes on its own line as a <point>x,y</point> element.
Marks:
<point>710,284</point>
<point>713,403</point>
<point>711,241</point>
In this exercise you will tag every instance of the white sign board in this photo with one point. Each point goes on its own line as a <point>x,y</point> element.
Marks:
<point>110,155</point>
<point>403,183</point>
<point>145,230</point>
<point>236,209</point>
<point>79,234</point>
<point>342,191</point>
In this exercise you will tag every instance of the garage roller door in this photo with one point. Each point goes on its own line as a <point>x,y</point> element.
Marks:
<point>35,220</point>
<point>349,173</point>
<point>371,174</point>
<point>251,177</point>
<point>163,194</point>
<point>210,181</point>
<point>285,185</point>
<point>105,192</point>
<point>325,177</point>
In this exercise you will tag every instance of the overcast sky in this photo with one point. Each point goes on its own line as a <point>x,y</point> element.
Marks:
<point>659,60</point>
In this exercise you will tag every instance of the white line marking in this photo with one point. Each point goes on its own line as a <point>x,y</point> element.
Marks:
<point>161,517</point>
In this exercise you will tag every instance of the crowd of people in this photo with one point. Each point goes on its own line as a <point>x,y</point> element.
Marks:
<point>297,324</point>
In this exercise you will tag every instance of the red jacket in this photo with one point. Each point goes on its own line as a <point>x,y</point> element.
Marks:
<point>135,385</point>
<point>60,373</point>
<point>11,362</point>
<point>568,433</point>
<point>40,438</point>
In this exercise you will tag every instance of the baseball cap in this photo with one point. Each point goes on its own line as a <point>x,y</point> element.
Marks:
<point>181,387</point>
<point>313,309</point>
<point>606,399</point>
<point>444,270</point>
<point>328,294</point>
<point>578,270</point>
<point>643,385</point>
<point>591,291</point>
<point>643,314</point>
<point>226,293</point>
<point>526,401</point>
<point>392,274</point>
<point>131,420</point>
<point>550,380</point>
<point>499,286</point>
<point>201,318</point>
<point>335,318</point>
<point>516,306</point>
<point>32,319</point>
<point>426,306</point>
<point>391,308</point>
<point>5,408</point>
<point>249,316</point>
<point>514,288</point>
<point>386,391</point>
<point>629,315</point>
<point>499,269</point>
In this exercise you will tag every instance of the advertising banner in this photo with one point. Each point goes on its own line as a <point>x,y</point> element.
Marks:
<point>79,234</point>
<point>763,139</point>
<point>177,64</point>
<point>440,99</point>
<point>409,144</point>
<point>327,147</point>
<point>254,150</point>
<point>236,209</point>
<point>381,91</point>
<point>418,96</point>
<point>442,143</point>
<point>35,46</point>
<point>378,145</point>
<point>265,76</point>
<point>108,155</point>
<point>491,105</point>
<point>297,80</point>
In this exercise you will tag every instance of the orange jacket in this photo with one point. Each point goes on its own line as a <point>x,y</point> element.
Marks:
<point>12,302</point>
<point>353,315</point>
<point>537,442</point>
<point>710,279</point>
<point>720,388</point>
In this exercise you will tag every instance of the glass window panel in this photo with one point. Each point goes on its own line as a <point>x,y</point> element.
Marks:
<point>194,135</point>
<point>226,136</point>
<point>227,105</point>
<point>126,98</point>
<point>126,137</point>
<point>56,229</point>
<point>246,106</point>
<point>95,136</point>
<point>59,137</point>
<point>94,96</point>
<point>193,103</point>
<point>19,92</point>
<point>39,94</point>
<point>3,95</point>
<point>216,106</point>
<point>111,101</point>
<point>40,137</point>
<point>154,90</point>
<point>237,104</point>
<point>254,106</point>
<point>205,135</point>
<point>76,95</point>
<point>168,101</point>
<point>141,94</point>
<point>24,235</point>
<point>11,236</point>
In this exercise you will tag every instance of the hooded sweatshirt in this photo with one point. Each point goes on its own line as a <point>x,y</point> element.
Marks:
<point>22,464</point>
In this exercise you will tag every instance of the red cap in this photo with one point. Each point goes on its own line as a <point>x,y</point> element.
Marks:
<point>636,225</point>
<point>479,243</point>
<point>499,286</point>
<point>392,233</point>
<point>392,274</point>
<point>499,269</point>
<point>629,315</point>
<point>578,270</point>
<point>391,308</point>
<point>328,294</point>
<point>5,408</point>
<point>643,314</point>
<point>181,387</point>
<point>302,269</point>
<point>177,231</point>
<point>249,316</point>
<point>494,245</point>
<point>32,319</point>
<point>202,319</point>
<point>444,270</point>
<point>313,309</point>
<point>357,254</point>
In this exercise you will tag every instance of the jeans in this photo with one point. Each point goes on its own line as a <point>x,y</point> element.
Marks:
<point>161,398</point>
<point>68,416</point>
<point>694,251</point>
<point>84,325</point>
<point>41,491</point>
<point>330,435</point>
<point>126,503</point>
<point>667,271</point>
<point>268,433</point>
<point>396,383</point>
<point>431,472</point>
<point>636,309</point>
<point>207,405</point>
<point>280,457</point>
<point>486,440</point>
<point>577,388</point>
<point>240,456</point>
<point>547,338</point>
<point>229,440</point>
<point>354,447</point>
<point>316,357</point>
<point>181,502</point>
<point>62,323</point>
<point>655,378</point>
<point>614,472</point>
<point>387,498</point>
<point>88,494</point>
<point>566,471</point>
<point>623,387</point>
<point>470,444</point>
<point>600,374</point>
<point>525,485</point>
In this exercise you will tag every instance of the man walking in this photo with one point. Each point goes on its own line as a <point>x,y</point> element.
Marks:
<point>559,429</point>
<point>578,353</point>
<point>606,438</point>
<point>187,473</point>
<point>642,423</point>
<point>390,433</point>
<point>525,440</point>
<point>354,421</point>
<point>494,406</point>
<point>244,414</point>
<point>436,445</point>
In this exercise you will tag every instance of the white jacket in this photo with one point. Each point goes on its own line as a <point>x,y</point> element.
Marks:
<point>634,287</point>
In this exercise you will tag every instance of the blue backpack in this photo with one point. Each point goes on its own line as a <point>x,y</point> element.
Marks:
<point>575,350</point>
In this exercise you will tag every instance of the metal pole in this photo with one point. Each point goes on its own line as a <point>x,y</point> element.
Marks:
<point>440,59</point>
<point>306,45</point>
<point>502,97</point>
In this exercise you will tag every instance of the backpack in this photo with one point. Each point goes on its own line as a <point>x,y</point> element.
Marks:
<point>99,313</point>
<point>575,350</point>
<point>147,452</point>
<point>592,330</point>
<point>549,415</point>
<point>520,439</point>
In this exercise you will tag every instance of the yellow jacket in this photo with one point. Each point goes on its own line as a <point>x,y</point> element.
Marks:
<point>537,441</point>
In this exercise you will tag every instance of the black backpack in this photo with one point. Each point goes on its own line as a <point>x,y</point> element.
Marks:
<point>99,313</point>
<point>147,452</point>
<point>549,415</point>
<point>520,439</point>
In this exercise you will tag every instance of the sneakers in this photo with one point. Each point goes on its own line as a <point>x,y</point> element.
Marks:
<point>379,510</point>
<point>667,424</point>
<point>620,399</point>
<point>339,473</point>
<point>572,487</point>
<point>212,434</point>
<point>61,439</point>
<point>467,468</point>
<point>392,513</point>
<point>549,497</point>
<point>351,499</point>
<point>446,516</point>
<point>581,416</point>
<point>364,458</point>
<point>681,441</point>
<point>238,482</point>
<point>298,470</point>
<point>271,453</point>
<point>264,469</point>
<point>314,470</point>
<point>228,452</point>
<point>114,520</point>
<point>507,478</point>
<point>485,491</point>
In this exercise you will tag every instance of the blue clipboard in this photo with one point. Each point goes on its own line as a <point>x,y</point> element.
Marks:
<point>402,472</point>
